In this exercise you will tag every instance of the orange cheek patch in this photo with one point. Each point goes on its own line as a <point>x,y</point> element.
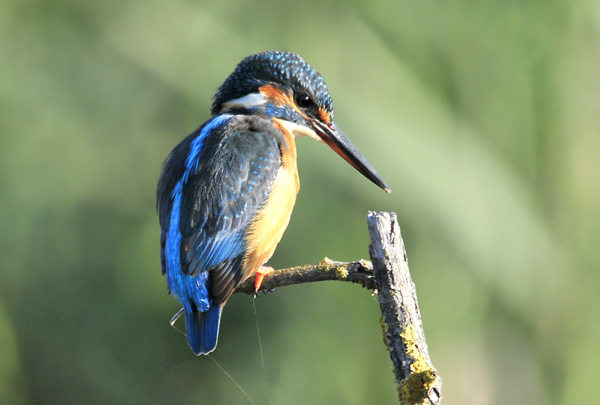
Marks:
<point>273,93</point>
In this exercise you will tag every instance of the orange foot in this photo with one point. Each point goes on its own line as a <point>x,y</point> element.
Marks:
<point>260,275</point>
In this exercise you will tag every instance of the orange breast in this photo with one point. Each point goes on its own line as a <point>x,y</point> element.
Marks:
<point>269,225</point>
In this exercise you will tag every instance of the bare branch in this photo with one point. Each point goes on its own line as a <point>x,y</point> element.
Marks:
<point>417,379</point>
<point>360,272</point>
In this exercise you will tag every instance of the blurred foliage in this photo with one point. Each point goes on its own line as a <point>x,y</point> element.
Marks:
<point>483,117</point>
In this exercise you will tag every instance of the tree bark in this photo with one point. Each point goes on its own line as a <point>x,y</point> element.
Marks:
<point>417,379</point>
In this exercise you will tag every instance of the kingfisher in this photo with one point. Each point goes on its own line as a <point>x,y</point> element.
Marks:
<point>226,192</point>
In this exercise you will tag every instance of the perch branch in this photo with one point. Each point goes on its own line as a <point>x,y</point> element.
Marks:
<point>360,272</point>
<point>417,379</point>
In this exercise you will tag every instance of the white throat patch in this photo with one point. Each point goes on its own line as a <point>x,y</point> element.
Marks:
<point>248,100</point>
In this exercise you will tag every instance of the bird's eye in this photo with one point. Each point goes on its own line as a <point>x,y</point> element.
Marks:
<point>302,100</point>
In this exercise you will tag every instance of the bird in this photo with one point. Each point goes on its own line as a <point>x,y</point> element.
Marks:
<point>226,192</point>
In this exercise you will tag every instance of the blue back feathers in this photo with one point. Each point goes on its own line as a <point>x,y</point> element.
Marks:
<point>181,285</point>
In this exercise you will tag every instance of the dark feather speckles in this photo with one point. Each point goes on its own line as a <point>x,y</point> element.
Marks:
<point>284,68</point>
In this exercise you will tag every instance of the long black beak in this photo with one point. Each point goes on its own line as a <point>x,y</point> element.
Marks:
<point>335,138</point>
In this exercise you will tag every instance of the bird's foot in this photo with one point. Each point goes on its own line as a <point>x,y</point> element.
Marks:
<point>260,275</point>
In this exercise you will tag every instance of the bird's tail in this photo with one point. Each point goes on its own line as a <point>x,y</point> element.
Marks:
<point>202,328</point>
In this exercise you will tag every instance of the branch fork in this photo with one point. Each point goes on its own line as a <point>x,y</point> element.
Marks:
<point>387,275</point>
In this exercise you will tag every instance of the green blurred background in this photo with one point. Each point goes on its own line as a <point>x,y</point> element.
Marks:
<point>482,116</point>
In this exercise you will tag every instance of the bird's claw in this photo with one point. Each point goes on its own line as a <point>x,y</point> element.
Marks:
<point>260,275</point>
<point>265,292</point>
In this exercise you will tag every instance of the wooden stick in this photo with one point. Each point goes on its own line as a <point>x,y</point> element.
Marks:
<point>417,379</point>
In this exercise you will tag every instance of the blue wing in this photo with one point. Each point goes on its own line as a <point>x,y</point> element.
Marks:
<point>211,188</point>
<point>235,174</point>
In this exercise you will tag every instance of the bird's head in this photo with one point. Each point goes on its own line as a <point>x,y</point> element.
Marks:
<point>282,85</point>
